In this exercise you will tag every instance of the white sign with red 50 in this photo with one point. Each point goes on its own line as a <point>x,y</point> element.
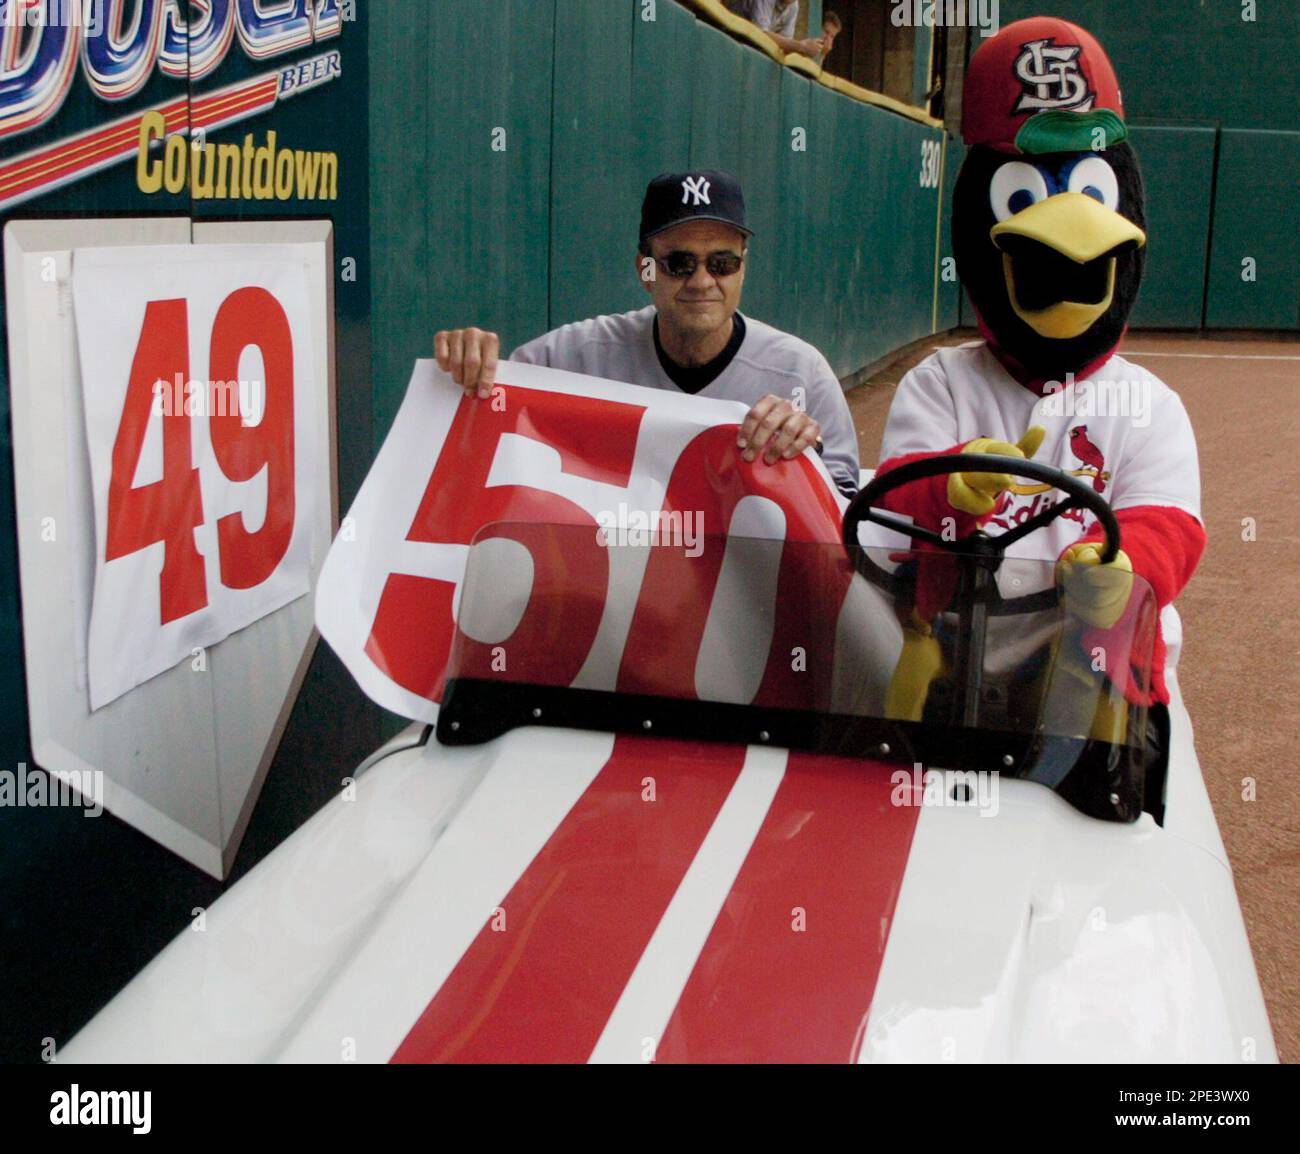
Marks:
<point>540,480</point>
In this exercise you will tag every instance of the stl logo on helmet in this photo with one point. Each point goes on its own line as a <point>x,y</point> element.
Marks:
<point>1051,78</point>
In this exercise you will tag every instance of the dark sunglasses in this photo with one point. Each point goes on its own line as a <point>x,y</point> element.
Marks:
<point>680,265</point>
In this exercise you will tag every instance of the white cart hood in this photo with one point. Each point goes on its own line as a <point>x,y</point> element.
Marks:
<point>541,898</point>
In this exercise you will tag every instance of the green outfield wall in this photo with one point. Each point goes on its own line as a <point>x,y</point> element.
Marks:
<point>594,100</point>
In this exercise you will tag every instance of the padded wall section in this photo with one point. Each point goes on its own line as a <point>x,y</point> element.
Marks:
<point>1255,243</point>
<point>1178,171</point>
<point>460,173</point>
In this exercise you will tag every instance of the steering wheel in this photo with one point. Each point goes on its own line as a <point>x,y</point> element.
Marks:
<point>981,547</point>
<point>978,555</point>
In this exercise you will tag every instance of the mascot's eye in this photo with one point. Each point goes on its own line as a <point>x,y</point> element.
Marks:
<point>1016,186</point>
<point>1093,177</point>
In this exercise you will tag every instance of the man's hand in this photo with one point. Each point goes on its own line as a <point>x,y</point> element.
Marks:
<point>1092,591</point>
<point>470,356</point>
<point>810,47</point>
<point>977,493</point>
<point>775,428</point>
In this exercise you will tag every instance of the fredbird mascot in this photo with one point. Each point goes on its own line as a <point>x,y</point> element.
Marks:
<point>1049,236</point>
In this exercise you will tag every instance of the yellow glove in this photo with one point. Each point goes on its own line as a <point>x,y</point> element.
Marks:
<point>977,493</point>
<point>920,662</point>
<point>1096,593</point>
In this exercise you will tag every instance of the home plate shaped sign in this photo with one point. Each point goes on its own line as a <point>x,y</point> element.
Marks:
<point>172,455</point>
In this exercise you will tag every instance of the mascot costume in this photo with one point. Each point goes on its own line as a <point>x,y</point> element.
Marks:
<point>1049,235</point>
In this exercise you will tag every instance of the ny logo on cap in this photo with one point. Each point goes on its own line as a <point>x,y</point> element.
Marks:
<point>1051,78</point>
<point>697,187</point>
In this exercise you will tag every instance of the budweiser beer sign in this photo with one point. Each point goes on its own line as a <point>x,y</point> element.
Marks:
<point>116,46</point>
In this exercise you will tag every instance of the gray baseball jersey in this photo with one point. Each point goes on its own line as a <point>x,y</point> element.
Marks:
<point>622,348</point>
<point>770,15</point>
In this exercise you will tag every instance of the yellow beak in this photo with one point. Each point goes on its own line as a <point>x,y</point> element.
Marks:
<point>1077,227</point>
<point>1073,224</point>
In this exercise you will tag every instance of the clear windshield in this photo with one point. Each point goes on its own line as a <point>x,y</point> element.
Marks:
<point>654,629</point>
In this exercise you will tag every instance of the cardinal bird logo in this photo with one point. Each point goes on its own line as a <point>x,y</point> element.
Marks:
<point>1090,455</point>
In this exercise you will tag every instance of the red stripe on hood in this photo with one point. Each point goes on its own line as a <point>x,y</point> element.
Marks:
<point>834,847</point>
<point>578,920</point>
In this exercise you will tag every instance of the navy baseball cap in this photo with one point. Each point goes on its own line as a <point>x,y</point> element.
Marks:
<point>702,194</point>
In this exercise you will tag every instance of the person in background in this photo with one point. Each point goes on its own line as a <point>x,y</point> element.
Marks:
<point>777,18</point>
<point>831,28</point>
<point>692,337</point>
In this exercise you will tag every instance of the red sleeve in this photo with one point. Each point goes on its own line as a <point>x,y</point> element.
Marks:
<point>926,501</point>
<point>1165,545</point>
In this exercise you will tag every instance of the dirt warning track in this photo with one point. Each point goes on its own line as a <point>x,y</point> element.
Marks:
<point>1240,669</point>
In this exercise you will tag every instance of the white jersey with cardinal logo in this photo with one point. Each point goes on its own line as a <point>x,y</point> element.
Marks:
<point>1120,429</point>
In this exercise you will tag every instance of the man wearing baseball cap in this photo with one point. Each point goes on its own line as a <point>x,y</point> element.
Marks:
<point>692,337</point>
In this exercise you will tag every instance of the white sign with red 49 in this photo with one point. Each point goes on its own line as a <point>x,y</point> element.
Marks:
<point>202,448</point>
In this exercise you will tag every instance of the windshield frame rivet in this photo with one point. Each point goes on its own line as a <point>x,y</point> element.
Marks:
<point>455,725</point>
<point>884,749</point>
<point>1008,760</point>
<point>647,724</point>
<point>1114,800</point>
<point>537,711</point>
<point>763,735</point>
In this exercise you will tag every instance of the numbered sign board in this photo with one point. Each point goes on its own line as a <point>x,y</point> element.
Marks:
<point>169,523</point>
<point>551,448</point>
<point>199,430</point>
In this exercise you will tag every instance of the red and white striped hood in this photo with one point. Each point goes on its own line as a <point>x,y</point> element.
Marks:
<point>564,896</point>
<point>695,902</point>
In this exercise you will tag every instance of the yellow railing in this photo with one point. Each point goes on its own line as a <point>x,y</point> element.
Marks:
<point>720,15</point>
